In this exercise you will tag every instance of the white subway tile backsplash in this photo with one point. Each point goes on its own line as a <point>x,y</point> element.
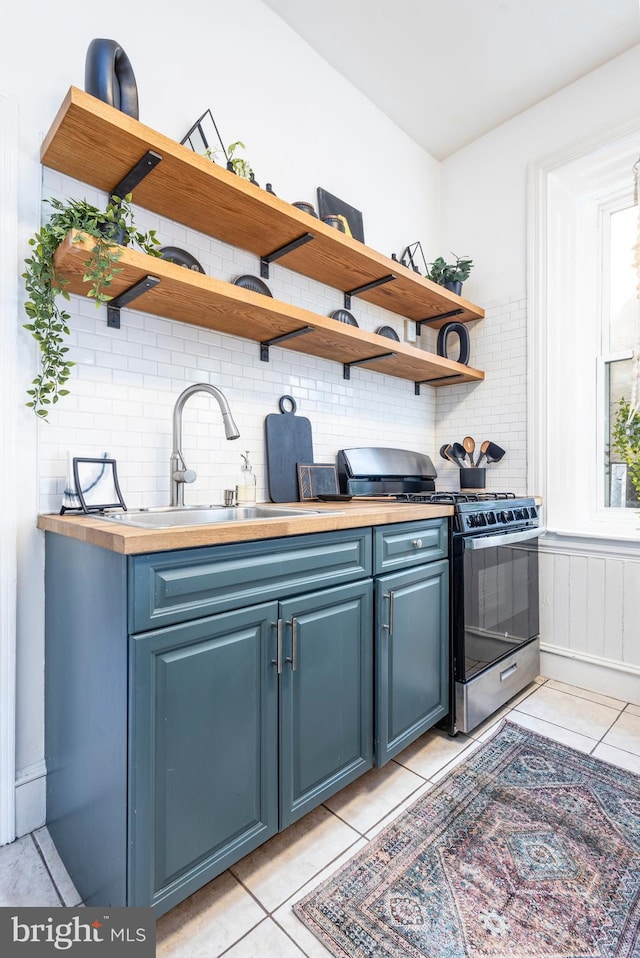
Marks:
<point>126,382</point>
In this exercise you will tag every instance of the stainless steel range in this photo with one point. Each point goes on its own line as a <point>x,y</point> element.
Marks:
<point>494,617</point>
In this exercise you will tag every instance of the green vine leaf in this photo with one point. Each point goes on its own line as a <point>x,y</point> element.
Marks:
<point>49,323</point>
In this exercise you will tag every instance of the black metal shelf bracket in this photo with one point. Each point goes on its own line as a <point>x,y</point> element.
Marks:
<point>346,367</point>
<point>362,289</point>
<point>437,319</point>
<point>264,345</point>
<point>136,174</point>
<point>114,305</point>
<point>436,379</point>
<point>282,251</point>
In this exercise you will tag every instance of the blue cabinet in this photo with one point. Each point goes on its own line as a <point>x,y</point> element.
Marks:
<point>326,695</point>
<point>411,633</point>
<point>198,701</point>
<point>203,751</point>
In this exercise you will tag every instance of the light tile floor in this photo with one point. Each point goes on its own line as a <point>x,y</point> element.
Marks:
<point>246,912</point>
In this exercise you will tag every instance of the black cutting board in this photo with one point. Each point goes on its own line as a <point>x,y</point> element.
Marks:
<point>288,441</point>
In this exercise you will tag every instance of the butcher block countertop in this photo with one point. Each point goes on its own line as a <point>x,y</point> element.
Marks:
<point>326,517</point>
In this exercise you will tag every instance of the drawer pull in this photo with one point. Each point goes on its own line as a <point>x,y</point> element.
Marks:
<point>417,543</point>
<point>509,672</point>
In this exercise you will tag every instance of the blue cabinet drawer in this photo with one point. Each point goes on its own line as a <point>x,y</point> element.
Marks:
<point>409,543</point>
<point>171,587</point>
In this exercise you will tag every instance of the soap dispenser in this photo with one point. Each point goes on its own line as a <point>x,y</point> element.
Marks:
<point>246,487</point>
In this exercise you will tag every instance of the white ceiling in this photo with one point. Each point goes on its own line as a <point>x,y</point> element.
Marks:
<point>448,71</point>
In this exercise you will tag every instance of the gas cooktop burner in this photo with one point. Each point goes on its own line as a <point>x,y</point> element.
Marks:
<point>453,498</point>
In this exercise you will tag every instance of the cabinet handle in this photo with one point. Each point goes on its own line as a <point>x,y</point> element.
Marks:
<point>294,644</point>
<point>390,597</point>
<point>278,659</point>
<point>417,543</point>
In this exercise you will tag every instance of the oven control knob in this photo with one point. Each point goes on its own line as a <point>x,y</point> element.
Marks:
<point>491,519</point>
<point>417,543</point>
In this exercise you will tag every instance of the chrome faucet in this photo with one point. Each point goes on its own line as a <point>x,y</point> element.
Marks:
<point>179,474</point>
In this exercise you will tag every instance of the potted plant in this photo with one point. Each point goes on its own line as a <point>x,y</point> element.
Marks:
<point>450,275</point>
<point>625,438</point>
<point>48,321</point>
<point>237,164</point>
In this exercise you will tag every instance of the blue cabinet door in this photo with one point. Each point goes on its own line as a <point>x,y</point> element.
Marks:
<point>203,746</point>
<point>412,655</point>
<point>326,695</point>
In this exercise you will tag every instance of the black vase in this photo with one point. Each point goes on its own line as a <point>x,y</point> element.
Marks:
<point>108,75</point>
<point>454,286</point>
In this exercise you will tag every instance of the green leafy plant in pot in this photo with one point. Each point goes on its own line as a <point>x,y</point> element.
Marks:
<point>48,320</point>
<point>625,439</point>
<point>450,275</point>
<point>237,164</point>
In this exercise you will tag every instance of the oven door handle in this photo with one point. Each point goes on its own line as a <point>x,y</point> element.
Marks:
<point>504,539</point>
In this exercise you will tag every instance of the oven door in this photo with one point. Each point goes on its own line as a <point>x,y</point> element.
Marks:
<point>494,598</point>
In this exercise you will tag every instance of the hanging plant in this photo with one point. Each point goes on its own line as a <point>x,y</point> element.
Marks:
<point>625,436</point>
<point>48,320</point>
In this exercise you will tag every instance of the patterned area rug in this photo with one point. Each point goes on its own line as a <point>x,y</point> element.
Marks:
<point>528,849</point>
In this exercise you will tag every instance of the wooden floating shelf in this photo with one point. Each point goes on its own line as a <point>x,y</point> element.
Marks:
<point>192,297</point>
<point>97,144</point>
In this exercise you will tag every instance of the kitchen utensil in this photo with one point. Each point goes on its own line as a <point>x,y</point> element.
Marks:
<point>483,451</point>
<point>288,441</point>
<point>459,453</point>
<point>494,453</point>
<point>445,452</point>
<point>469,446</point>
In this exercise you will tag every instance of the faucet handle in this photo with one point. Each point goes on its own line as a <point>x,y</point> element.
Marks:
<point>184,475</point>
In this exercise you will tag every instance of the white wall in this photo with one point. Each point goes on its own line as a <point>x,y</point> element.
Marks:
<point>589,610</point>
<point>303,127</point>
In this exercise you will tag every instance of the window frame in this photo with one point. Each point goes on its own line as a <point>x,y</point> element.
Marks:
<point>563,192</point>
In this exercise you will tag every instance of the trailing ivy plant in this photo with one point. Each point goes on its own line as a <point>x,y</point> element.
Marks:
<point>625,436</point>
<point>48,320</point>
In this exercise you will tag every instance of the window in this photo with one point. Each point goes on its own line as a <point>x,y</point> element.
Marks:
<point>584,332</point>
<point>620,336</point>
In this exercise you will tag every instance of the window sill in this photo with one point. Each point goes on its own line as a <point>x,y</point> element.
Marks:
<point>602,539</point>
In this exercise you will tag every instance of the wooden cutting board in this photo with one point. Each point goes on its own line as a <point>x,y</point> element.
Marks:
<point>288,441</point>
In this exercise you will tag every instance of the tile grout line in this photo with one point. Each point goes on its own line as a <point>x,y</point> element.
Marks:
<point>48,870</point>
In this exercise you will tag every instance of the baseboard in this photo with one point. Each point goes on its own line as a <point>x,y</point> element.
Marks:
<point>31,798</point>
<point>590,672</point>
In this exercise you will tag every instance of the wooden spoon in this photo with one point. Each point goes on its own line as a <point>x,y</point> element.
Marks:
<point>483,451</point>
<point>469,446</point>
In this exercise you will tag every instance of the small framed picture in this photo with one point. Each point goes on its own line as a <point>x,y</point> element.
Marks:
<point>316,479</point>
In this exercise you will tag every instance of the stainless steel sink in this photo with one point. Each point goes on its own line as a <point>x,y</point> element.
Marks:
<point>166,517</point>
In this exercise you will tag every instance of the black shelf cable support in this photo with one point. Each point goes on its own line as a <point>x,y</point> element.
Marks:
<point>136,174</point>
<point>436,379</point>
<point>346,367</point>
<point>282,251</point>
<point>362,289</point>
<point>264,345</point>
<point>438,318</point>
<point>114,305</point>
